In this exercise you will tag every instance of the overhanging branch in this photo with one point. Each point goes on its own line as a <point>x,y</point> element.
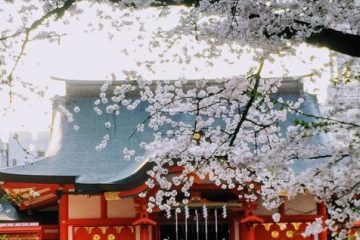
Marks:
<point>338,41</point>
<point>345,43</point>
<point>57,12</point>
<point>249,103</point>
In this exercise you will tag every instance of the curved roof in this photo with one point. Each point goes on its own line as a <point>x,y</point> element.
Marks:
<point>72,158</point>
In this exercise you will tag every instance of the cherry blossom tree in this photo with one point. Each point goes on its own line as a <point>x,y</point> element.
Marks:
<point>228,131</point>
<point>225,130</point>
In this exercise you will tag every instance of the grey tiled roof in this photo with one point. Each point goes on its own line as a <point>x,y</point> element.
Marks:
<point>72,157</point>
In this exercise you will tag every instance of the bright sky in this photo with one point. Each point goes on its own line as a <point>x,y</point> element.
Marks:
<point>93,56</point>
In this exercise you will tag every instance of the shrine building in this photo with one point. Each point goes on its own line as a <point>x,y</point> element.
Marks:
<point>78,193</point>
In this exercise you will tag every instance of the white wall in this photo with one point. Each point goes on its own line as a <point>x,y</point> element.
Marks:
<point>122,208</point>
<point>83,206</point>
<point>302,204</point>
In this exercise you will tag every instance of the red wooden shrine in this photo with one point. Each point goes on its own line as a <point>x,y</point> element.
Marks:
<point>93,195</point>
<point>121,215</point>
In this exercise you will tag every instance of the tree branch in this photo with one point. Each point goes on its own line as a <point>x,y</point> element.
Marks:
<point>16,138</point>
<point>333,120</point>
<point>249,103</point>
<point>58,12</point>
<point>338,41</point>
<point>341,42</point>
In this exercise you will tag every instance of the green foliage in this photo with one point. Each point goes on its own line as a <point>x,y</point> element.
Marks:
<point>314,125</point>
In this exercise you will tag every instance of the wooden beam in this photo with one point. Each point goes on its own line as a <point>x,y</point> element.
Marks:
<point>20,229</point>
<point>134,191</point>
<point>14,185</point>
<point>50,199</point>
<point>50,232</point>
<point>291,218</point>
<point>39,200</point>
<point>96,222</point>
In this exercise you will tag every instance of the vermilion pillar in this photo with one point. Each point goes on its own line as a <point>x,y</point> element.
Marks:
<point>322,211</point>
<point>248,226</point>
<point>63,216</point>
<point>247,222</point>
<point>103,207</point>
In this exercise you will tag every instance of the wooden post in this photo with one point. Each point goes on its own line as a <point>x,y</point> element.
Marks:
<point>103,207</point>
<point>144,223</point>
<point>63,216</point>
<point>156,233</point>
<point>322,211</point>
<point>249,231</point>
<point>232,229</point>
<point>282,209</point>
<point>144,232</point>
<point>248,221</point>
<point>41,233</point>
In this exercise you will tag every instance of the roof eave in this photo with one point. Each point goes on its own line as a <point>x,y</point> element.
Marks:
<point>23,178</point>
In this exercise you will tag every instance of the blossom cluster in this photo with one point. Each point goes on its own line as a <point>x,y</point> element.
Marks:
<point>235,133</point>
